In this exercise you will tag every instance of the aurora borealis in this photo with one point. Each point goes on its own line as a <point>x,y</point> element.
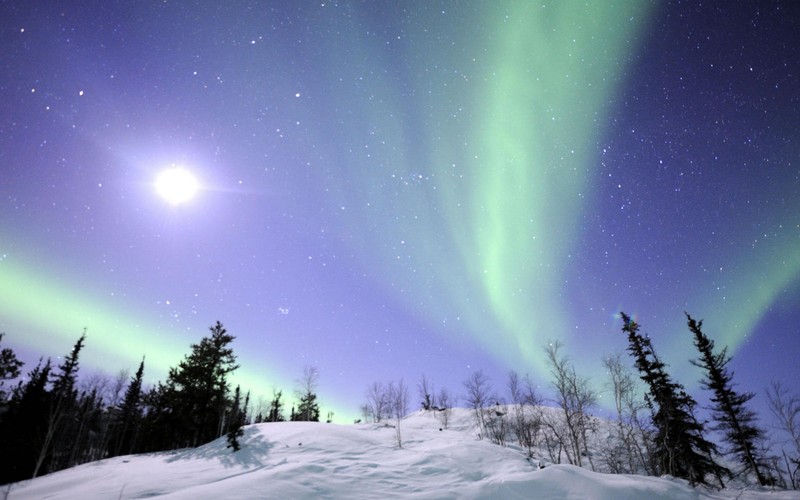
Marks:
<point>397,188</point>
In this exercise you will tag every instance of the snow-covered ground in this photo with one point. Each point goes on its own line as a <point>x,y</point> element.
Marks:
<point>360,461</point>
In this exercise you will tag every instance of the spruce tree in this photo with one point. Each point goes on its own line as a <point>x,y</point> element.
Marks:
<point>63,403</point>
<point>24,424</point>
<point>237,420</point>
<point>308,409</point>
<point>276,407</point>
<point>155,429</point>
<point>78,440</point>
<point>729,410</point>
<point>127,417</point>
<point>9,370</point>
<point>196,392</point>
<point>680,448</point>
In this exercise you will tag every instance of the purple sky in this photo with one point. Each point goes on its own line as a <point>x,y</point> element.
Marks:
<point>391,189</point>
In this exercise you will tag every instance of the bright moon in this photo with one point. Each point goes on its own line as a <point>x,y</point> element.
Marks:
<point>176,185</point>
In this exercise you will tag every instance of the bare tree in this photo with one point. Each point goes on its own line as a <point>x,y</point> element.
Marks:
<point>628,451</point>
<point>109,393</point>
<point>97,382</point>
<point>444,408</point>
<point>397,395</point>
<point>526,421</point>
<point>785,408</point>
<point>479,394</point>
<point>575,397</point>
<point>556,438</point>
<point>308,381</point>
<point>497,425</point>
<point>366,412</point>
<point>260,409</point>
<point>306,393</point>
<point>426,393</point>
<point>117,387</point>
<point>377,403</point>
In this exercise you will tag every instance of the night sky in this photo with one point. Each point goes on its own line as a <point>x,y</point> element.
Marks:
<point>391,189</point>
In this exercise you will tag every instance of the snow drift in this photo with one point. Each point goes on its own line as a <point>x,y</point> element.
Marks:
<point>296,460</point>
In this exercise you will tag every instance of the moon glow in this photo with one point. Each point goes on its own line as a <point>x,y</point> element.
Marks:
<point>176,185</point>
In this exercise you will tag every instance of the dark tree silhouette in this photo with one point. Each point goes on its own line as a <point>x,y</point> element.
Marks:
<point>785,407</point>
<point>307,410</point>
<point>128,416</point>
<point>237,421</point>
<point>79,439</point>
<point>63,399</point>
<point>196,392</point>
<point>23,425</point>
<point>9,369</point>
<point>729,410</point>
<point>276,407</point>
<point>679,448</point>
<point>155,429</point>
<point>308,407</point>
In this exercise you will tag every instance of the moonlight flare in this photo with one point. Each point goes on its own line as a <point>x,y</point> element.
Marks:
<point>176,185</point>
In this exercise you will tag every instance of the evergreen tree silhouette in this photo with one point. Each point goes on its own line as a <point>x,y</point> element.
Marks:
<point>128,416</point>
<point>196,391</point>
<point>23,425</point>
<point>10,366</point>
<point>680,448</point>
<point>237,421</point>
<point>63,399</point>
<point>729,410</point>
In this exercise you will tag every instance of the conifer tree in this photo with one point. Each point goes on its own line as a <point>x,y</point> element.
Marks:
<point>155,430</point>
<point>729,410</point>
<point>78,438</point>
<point>237,421</point>
<point>196,392</point>
<point>63,400</point>
<point>9,369</point>
<point>308,407</point>
<point>679,448</point>
<point>127,418</point>
<point>24,424</point>
<point>276,407</point>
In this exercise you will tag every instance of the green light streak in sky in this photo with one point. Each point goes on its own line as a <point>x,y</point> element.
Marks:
<point>552,73</point>
<point>472,188</point>
<point>43,309</point>
<point>47,317</point>
<point>777,270</point>
<point>735,303</point>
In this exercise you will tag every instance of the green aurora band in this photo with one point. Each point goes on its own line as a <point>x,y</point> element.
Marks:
<point>491,172</point>
<point>734,306</point>
<point>468,207</point>
<point>555,74</point>
<point>42,310</point>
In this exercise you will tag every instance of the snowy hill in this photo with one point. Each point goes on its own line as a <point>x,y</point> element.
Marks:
<point>361,461</point>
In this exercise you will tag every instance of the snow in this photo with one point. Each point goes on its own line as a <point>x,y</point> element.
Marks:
<point>361,461</point>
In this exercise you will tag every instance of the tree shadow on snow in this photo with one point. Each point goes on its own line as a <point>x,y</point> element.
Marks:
<point>253,452</point>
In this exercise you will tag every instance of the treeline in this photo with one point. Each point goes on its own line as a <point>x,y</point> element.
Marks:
<point>51,421</point>
<point>655,430</point>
